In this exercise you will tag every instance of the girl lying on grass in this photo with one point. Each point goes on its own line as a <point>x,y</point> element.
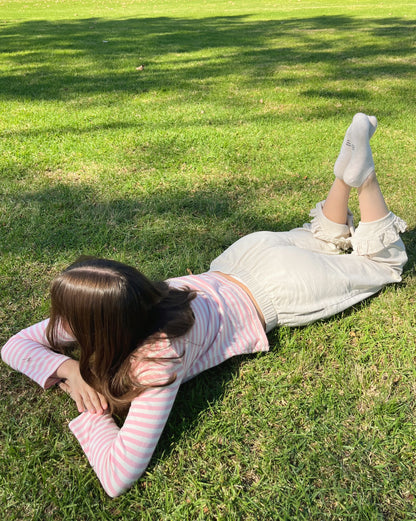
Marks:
<point>139,340</point>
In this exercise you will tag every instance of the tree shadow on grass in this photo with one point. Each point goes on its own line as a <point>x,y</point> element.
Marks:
<point>176,53</point>
<point>409,239</point>
<point>65,218</point>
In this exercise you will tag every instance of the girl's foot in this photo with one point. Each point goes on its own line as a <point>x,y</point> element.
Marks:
<point>355,161</point>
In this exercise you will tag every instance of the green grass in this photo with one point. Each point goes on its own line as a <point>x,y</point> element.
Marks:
<point>232,126</point>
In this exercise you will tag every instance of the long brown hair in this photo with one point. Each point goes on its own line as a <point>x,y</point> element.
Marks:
<point>112,309</point>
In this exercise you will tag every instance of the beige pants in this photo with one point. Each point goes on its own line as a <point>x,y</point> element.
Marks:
<point>305,274</point>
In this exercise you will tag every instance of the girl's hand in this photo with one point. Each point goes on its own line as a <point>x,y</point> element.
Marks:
<point>85,396</point>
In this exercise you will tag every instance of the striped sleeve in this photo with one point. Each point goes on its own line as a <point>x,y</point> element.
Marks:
<point>120,456</point>
<point>29,353</point>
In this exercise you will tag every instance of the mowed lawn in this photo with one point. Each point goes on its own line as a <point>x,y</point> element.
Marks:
<point>157,133</point>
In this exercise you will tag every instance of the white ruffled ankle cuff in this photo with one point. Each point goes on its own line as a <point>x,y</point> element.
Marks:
<point>329,231</point>
<point>370,238</point>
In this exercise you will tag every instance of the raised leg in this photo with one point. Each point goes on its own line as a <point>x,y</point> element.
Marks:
<point>355,168</point>
<point>336,204</point>
<point>372,204</point>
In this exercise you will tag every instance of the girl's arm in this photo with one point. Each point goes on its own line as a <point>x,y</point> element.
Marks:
<point>120,456</point>
<point>29,352</point>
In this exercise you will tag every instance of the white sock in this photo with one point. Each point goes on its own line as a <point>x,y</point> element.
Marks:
<point>344,156</point>
<point>361,163</point>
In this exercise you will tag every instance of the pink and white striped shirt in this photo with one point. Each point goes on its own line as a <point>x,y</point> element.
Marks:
<point>226,324</point>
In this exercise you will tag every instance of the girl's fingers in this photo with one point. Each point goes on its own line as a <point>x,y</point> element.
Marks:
<point>64,386</point>
<point>80,404</point>
<point>96,401</point>
<point>75,396</point>
<point>89,404</point>
<point>88,400</point>
<point>103,402</point>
